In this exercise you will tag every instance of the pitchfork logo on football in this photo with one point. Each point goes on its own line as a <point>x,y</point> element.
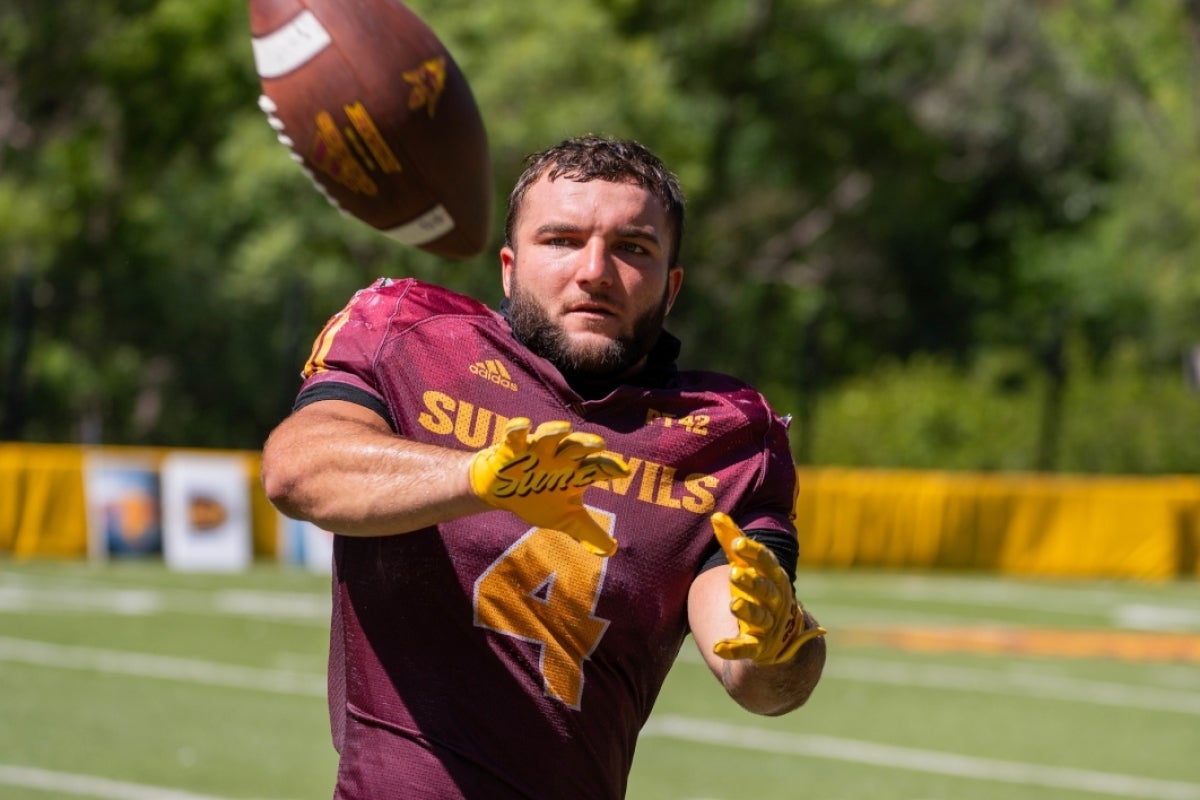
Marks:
<point>495,372</point>
<point>332,155</point>
<point>428,81</point>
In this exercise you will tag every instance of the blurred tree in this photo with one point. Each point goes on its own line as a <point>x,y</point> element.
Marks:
<point>1129,283</point>
<point>869,182</point>
<point>179,264</point>
<point>875,167</point>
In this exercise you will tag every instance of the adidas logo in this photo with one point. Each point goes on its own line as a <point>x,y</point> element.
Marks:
<point>492,370</point>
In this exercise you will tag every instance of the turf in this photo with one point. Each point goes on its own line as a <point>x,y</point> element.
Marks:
<point>129,681</point>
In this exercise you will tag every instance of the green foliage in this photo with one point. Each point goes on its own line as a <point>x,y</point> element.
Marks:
<point>1122,418</point>
<point>928,414</point>
<point>903,154</point>
<point>933,186</point>
<point>1129,417</point>
<point>1133,276</point>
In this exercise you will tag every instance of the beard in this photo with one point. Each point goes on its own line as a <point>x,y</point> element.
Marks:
<point>612,358</point>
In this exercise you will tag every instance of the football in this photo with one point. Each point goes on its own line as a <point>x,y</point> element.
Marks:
<point>376,112</point>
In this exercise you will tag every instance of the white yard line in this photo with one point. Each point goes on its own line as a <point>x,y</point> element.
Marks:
<point>284,681</point>
<point>299,607</point>
<point>67,783</point>
<point>906,758</point>
<point>1002,682</point>
<point>1123,605</point>
<point>169,668</point>
<point>1146,606</point>
<point>209,673</point>
<point>1049,687</point>
<point>1042,593</point>
<point>1146,616</point>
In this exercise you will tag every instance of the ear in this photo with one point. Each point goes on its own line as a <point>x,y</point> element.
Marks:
<point>674,282</point>
<point>508,260</point>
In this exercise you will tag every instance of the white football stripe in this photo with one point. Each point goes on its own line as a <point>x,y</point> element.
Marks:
<point>665,726</point>
<point>433,224</point>
<point>68,783</point>
<point>856,751</point>
<point>168,668</point>
<point>1002,682</point>
<point>290,46</point>
<point>985,681</point>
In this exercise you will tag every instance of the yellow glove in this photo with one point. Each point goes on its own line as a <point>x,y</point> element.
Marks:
<point>770,620</point>
<point>541,476</point>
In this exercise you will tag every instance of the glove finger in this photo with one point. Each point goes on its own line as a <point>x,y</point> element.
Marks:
<point>516,432</point>
<point>754,585</point>
<point>752,614</point>
<point>594,469</point>
<point>753,553</point>
<point>766,566</point>
<point>608,466</point>
<point>577,445</point>
<point>734,649</point>
<point>582,528</point>
<point>789,652</point>
<point>727,533</point>
<point>758,556</point>
<point>549,433</point>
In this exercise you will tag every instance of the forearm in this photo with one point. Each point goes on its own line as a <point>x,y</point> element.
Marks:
<point>337,465</point>
<point>767,690</point>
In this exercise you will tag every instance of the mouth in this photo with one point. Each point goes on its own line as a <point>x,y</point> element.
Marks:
<point>592,309</point>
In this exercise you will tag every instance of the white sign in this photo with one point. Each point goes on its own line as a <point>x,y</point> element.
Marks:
<point>206,513</point>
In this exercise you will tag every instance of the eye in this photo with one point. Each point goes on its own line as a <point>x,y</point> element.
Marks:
<point>632,247</point>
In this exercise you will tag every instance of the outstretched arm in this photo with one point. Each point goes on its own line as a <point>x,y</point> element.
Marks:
<point>766,650</point>
<point>339,465</point>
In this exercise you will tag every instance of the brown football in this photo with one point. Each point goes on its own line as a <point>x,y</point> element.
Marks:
<point>377,113</point>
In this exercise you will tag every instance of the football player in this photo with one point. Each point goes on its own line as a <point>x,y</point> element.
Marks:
<point>534,505</point>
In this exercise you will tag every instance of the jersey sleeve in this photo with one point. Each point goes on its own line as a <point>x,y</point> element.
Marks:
<point>338,390</point>
<point>347,359</point>
<point>767,512</point>
<point>770,504</point>
<point>342,363</point>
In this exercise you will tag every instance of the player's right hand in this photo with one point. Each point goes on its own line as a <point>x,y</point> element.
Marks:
<point>541,476</point>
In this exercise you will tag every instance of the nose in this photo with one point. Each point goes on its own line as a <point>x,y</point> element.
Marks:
<point>595,266</point>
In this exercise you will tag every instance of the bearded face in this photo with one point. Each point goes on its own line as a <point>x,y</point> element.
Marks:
<point>594,279</point>
<point>594,357</point>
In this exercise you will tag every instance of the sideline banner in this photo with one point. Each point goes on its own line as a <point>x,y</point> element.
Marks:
<point>1146,528</point>
<point>206,513</point>
<point>122,498</point>
<point>66,501</point>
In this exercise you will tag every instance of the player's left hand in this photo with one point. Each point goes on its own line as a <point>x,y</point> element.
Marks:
<point>771,623</point>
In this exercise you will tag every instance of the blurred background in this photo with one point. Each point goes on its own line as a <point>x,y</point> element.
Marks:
<point>939,234</point>
<point>959,242</point>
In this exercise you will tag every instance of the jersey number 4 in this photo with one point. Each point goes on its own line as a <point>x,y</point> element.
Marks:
<point>544,590</point>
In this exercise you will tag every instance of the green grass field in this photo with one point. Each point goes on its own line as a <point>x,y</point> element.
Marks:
<point>127,681</point>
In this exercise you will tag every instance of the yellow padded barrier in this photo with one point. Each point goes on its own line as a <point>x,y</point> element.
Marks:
<point>43,511</point>
<point>1020,524</point>
<point>1121,527</point>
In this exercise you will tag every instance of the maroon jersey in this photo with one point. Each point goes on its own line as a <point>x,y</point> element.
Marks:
<point>485,658</point>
